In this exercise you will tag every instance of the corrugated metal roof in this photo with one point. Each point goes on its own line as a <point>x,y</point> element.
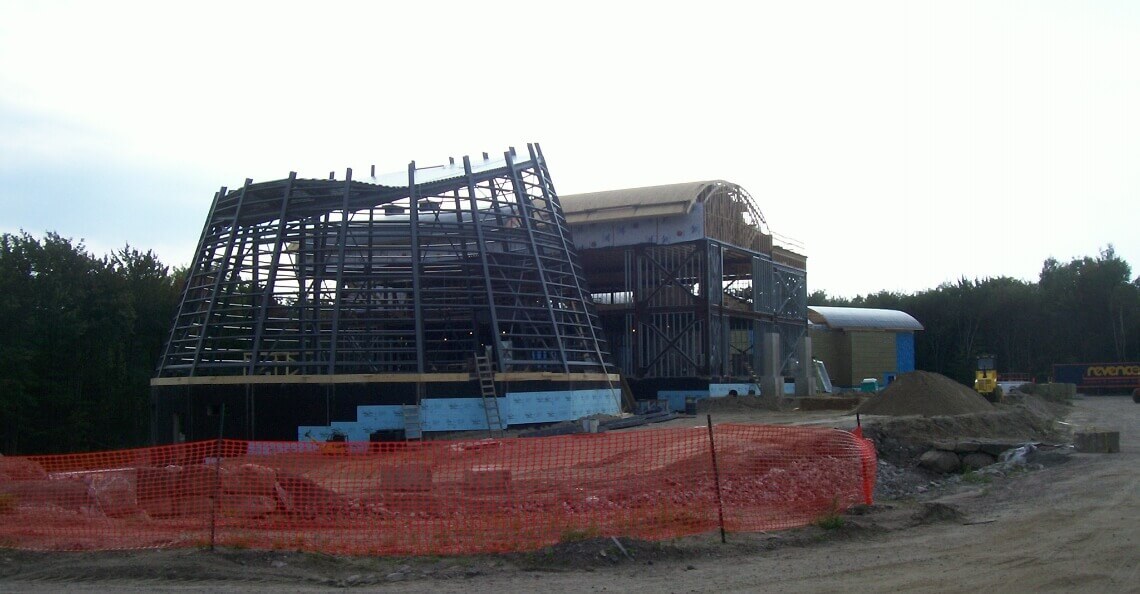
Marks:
<point>843,318</point>
<point>649,201</point>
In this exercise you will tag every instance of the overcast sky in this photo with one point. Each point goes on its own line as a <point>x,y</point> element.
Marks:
<point>903,144</point>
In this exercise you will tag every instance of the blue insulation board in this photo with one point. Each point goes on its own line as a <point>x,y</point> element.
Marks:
<point>467,414</point>
<point>677,398</point>
<point>723,389</point>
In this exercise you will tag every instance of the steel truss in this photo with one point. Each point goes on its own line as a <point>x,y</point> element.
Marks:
<point>327,277</point>
<point>698,308</point>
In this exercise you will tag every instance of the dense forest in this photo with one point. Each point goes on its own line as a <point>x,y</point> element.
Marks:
<point>80,335</point>
<point>79,340</point>
<point>1083,311</point>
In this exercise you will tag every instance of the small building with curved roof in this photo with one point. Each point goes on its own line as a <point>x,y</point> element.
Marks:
<point>856,343</point>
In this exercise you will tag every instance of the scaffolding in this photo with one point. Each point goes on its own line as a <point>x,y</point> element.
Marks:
<point>392,275</point>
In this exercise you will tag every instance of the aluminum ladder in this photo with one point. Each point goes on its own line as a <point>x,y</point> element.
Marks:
<point>487,390</point>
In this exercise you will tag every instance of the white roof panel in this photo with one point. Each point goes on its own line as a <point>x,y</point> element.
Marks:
<point>842,318</point>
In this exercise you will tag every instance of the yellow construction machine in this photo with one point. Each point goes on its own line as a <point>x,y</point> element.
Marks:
<point>985,379</point>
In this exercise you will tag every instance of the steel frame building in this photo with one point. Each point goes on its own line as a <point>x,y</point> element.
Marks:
<point>689,283</point>
<point>316,302</point>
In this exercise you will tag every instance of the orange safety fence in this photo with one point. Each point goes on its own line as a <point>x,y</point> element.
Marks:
<point>434,497</point>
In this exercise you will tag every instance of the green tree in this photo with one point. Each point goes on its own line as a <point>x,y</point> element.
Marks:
<point>1088,303</point>
<point>1085,310</point>
<point>79,337</point>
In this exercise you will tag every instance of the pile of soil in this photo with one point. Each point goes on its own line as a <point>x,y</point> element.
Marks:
<point>927,394</point>
<point>1038,405</point>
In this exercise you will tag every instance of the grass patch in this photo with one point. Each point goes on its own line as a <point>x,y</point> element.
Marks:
<point>830,521</point>
<point>976,478</point>
<point>579,534</point>
<point>7,503</point>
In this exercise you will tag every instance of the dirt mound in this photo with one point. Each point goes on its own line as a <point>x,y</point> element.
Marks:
<point>927,394</point>
<point>1037,405</point>
<point>935,512</point>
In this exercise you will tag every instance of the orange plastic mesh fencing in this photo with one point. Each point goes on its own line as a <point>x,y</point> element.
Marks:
<point>435,497</point>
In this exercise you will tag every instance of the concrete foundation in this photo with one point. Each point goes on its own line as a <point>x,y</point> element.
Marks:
<point>805,376</point>
<point>771,383</point>
<point>1097,442</point>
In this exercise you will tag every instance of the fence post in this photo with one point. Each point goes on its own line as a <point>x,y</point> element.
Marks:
<point>716,479</point>
<point>217,479</point>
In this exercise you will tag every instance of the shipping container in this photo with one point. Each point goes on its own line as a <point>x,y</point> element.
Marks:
<point>1099,377</point>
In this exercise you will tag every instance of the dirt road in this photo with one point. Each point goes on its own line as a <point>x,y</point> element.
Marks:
<point>1070,527</point>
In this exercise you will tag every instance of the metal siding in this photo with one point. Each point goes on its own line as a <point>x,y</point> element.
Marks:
<point>826,346</point>
<point>658,230</point>
<point>872,354</point>
<point>904,347</point>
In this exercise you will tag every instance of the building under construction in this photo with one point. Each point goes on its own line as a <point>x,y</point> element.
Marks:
<point>446,298</point>
<point>696,299</point>
<point>462,297</point>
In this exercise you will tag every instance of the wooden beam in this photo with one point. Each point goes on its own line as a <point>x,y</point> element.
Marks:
<point>377,378</point>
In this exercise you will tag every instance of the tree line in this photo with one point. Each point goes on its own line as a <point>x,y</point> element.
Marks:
<point>80,335</point>
<point>1084,311</point>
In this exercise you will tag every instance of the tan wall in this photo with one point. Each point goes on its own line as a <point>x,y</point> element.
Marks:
<point>872,355</point>
<point>833,348</point>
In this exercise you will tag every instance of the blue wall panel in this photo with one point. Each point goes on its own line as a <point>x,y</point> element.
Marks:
<point>716,390</point>
<point>904,352</point>
<point>677,398</point>
<point>467,414</point>
<point>352,430</point>
<point>381,417</point>
<point>454,414</point>
<point>550,407</point>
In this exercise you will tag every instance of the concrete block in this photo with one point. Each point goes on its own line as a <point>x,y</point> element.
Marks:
<point>1097,442</point>
<point>406,477</point>
<point>487,479</point>
<point>1054,392</point>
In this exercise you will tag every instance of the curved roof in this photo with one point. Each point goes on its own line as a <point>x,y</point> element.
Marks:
<point>862,318</point>
<point>649,201</point>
